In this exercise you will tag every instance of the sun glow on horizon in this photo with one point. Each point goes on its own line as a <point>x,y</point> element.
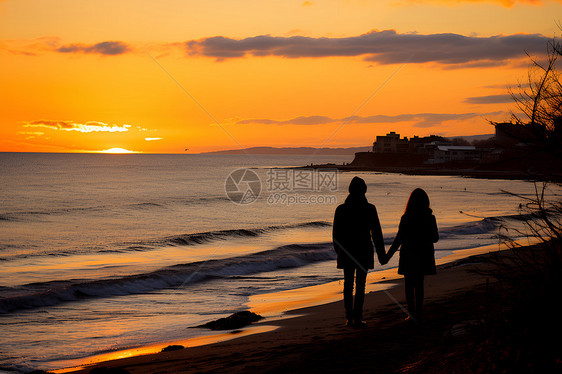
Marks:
<point>117,150</point>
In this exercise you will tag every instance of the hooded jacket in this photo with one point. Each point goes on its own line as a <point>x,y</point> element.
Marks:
<point>356,227</point>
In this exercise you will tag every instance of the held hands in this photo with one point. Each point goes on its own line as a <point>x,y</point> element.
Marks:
<point>386,258</point>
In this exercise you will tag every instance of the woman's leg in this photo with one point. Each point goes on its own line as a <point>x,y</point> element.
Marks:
<point>419,290</point>
<point>409,284</point>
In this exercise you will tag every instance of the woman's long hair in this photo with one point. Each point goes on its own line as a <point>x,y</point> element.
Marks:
<point>418,203</point>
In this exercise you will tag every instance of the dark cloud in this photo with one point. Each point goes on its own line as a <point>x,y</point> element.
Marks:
<point>489,99</point>
<point>22,53</point>
<point>497,86</point>
<point>506,3</point>
<point>420,119</point>
<point>382,47</point>
<point>103,48</point>
<point>302,120</point>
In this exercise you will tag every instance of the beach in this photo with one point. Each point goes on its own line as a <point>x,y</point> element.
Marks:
<point>109,257</point>
<point>314,339</point>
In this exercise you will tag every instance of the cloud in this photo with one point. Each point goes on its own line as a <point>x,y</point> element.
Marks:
<point>103,48</point>
<point>30,134</point>
<point>419,119</point>
<point>19,52</point>
<point>152,139</point>
<point>90,126</point>
<point>302,120</point>
<point>489,99</point>
<point>497,86</point>
<point>382,47</point>
<point>30,47</point>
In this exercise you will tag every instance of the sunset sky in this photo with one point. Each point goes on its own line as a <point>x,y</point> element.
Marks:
<point>163,76</point>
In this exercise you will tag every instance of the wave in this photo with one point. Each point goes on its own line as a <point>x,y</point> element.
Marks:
<point>9,217</point>
<point>150,244</point>
<point>52,293</point>
<point>485,226</point>
<point>16,216</point>
<point>209,236</point>
<point>26,215</point>
<point>36,295</point>
<point>146,205</point>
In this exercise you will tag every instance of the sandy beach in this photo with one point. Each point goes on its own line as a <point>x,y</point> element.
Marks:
<point>314,339</point>
<point>167,262</point>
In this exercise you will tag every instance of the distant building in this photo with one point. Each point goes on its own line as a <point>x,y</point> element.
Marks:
<point>431,149</point>
<point>391,143</point>
<point>452,153</point>
<point>427,144</point>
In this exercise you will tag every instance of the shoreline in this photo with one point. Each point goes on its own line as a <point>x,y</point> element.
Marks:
<point>286,313</point>
<point>457,172</point>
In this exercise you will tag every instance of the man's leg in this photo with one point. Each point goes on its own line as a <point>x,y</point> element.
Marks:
<point>360,279</point>
<point>348,275</point>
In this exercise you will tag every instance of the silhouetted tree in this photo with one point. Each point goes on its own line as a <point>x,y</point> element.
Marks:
<point>530,279</point>
<point>540,101</point>
<point>459,141</point>
<point>485,143</point>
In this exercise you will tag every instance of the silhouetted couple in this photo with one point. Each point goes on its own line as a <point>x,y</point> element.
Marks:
<point>356,227</point>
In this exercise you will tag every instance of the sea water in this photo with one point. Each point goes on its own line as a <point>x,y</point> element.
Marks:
<point>105,252</point>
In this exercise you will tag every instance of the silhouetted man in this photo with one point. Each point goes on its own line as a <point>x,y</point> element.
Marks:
<point>356,227</point>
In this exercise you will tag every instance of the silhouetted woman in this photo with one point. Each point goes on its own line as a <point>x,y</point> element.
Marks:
<point>416,234</point>
<point>356,227</point>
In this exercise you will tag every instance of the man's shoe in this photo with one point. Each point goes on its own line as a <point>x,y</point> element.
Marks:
<point>411,320</point>
<point>360,324</point>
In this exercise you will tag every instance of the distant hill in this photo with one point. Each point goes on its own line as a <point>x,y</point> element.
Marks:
<point>317,151</point>
<point>291,151</point>
<point>472,138</point>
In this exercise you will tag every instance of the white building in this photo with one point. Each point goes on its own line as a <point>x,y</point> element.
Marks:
<point>448,153</point>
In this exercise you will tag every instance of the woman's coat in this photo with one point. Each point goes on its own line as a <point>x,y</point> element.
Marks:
<point>416,235</point>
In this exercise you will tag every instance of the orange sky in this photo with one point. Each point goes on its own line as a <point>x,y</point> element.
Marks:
<point>162,76</point>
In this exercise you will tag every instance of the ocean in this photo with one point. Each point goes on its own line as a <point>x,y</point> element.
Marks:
<point>103,252</point>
